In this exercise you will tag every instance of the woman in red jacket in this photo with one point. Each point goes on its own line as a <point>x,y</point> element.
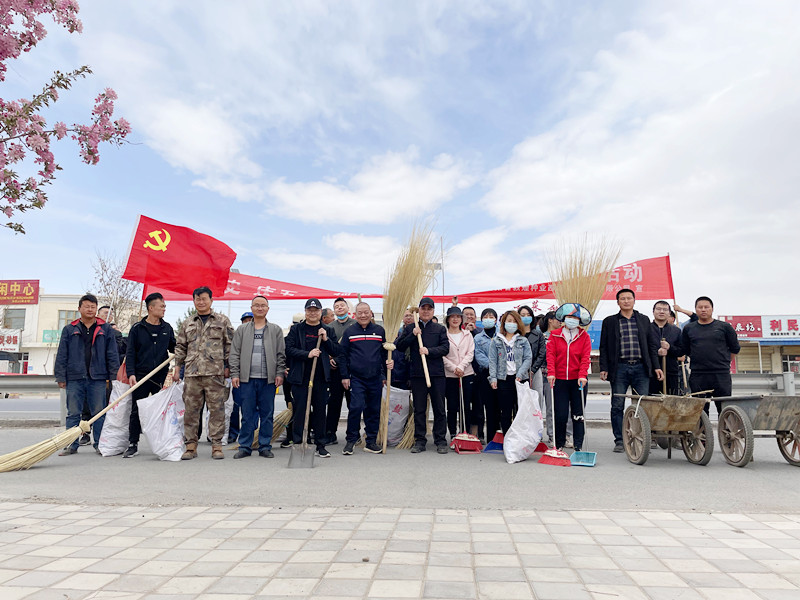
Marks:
<point>568,358</point>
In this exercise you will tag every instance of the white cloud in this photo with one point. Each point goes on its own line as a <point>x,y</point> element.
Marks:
<point>386,189</point>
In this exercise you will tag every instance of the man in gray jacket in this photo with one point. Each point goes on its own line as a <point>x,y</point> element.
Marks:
<point>258,361</point>
<point>340,323</point>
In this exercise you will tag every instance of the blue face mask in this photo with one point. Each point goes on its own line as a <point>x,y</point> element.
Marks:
<point>511,327</point>
<point>527,320</point>
<point>342,317</point>
<point>488,323</point>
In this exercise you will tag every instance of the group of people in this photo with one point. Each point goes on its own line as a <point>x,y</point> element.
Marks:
<point>329,357</point>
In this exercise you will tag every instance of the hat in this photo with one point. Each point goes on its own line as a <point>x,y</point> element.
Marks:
<point>313,303</point>
<point>454,310</point>
<point>247,315</point>
<point>427,301</point>
<point>298,317</point>
<point>573,309</point>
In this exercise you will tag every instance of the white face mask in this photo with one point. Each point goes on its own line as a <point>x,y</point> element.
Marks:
<point>571,323</point>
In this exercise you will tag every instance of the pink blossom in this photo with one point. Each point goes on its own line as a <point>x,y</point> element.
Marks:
<point>60,129</point>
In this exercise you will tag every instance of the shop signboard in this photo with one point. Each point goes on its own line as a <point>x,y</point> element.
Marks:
<point>10,340</point>
<point>781,327</point>
<point>746,327</point>
<point>50,336</point>
<point>19,291</point>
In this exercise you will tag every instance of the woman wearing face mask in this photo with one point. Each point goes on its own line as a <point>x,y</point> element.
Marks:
<point>509,361</point>
<point>459,375</point>
<point>548,324</point>
<point>538,352</point>
<point>486,398</point>
<point>568,358</point>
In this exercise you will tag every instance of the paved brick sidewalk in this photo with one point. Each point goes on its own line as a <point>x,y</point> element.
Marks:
<point>74,552</point>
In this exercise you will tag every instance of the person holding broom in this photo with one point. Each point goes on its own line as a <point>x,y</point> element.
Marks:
<point>485,398</point>
<point>459,374</point>
<point>568,357</point>
<point>433,348</point>
<point>667,338</point>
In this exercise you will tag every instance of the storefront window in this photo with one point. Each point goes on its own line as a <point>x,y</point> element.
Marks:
<point>66,316</point>
<point>14,318</point>
<point>791,363</point>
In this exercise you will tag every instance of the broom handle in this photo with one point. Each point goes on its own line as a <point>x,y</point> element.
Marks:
<point>553,410</point>
<point>461,399</point>
<point>130,391</point>
<point>685,383</point>
<point>386,402</point>
<point>308,396</point>
<point>664,370</point>
<point>424,358</point>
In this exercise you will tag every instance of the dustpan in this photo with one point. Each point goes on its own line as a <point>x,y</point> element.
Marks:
<point>302,457</point>
<point>495,446</point>
<point>465,443</point>
<point>583,458</point>
<point>554,456</point>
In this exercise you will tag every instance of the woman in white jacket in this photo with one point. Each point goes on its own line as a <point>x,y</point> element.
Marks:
<point>457,368</point>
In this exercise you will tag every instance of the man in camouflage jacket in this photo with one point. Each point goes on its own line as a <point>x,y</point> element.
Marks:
<point>203,347</point>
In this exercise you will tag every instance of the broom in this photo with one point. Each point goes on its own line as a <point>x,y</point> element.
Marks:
<point>408,280</point>
<point>27,457</point>
<point>281,421</point>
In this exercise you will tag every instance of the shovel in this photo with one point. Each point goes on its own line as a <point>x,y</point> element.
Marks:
<point>583,459</point>
<point>301,457</point>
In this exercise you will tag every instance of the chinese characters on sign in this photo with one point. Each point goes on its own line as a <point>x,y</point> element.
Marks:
<point>10,339</point>
<point>19,291</point>
<point>746,327</point>
<point>782,326</point>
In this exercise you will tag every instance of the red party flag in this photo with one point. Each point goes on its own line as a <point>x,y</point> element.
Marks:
<point>176,258</point>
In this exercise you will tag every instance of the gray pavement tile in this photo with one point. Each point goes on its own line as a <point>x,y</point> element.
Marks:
<point>373,556</point>
<point>606,592</point>
<point>605,576</point>
<point>559,591</point>
<point>207,568</point>
<point>544,560</point>
<point>671,593</point>
<point>237,585</point>
<point>37,579</point>
<point>728,594</point>
<point>709,580</point>
<point>419,558</point>
<point>136,583</point>
<point>449,589</point>
<point>395,588</point>
<point>552,575</point>
<point>58,594</point>
<point>351,571</point>
<point>347,588</point>
<point>763,581</point>
<point>499,574</point>
<point>792,594</point>
<point>392,571</point>
<point>303,570</point>
<point>739,566</point>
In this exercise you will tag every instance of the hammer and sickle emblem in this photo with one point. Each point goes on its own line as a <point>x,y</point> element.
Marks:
<point>160,244</point>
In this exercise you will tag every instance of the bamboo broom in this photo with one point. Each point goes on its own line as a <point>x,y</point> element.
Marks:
<point>27,457</point>
<point>405,285</point>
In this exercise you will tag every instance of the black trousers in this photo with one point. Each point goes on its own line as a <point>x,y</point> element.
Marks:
<point>506,401</point>
<point>337,392</point>
<point>453,395</point>
<point>487,400</point>
<point>151,386</point>
<point>568,397</point>
<point>673,385</point>
<point>316,420</point>
<point>719,383</point>
<point>420,392</point>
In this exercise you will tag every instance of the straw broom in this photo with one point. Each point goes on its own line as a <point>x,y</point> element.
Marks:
<point>27,457</point>
<point>406,283</point>
<point>281,422</point>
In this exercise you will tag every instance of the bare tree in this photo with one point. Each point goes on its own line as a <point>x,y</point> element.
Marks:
<point>122,295</point>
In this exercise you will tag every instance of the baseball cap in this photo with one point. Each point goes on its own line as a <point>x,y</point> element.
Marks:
<point>313,303</point>
<point>427,301</point>
<point>246,315</point>
<point>453,310</point>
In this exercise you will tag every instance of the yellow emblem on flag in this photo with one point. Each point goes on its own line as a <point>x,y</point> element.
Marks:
<point>161,244</point>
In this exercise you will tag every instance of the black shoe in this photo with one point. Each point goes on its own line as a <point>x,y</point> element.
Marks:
<point>373,448</point>
<point>287,444</point>
<point>322,453</point>
<point>441,449</point>
<point>132,451</point>
<point>68,451</point>
<point>331,440</point>
<point>619,447</point>
<point>231,439</point>
<point>265,454</point>
<point>85,440</point>
<point>241,453</point>
<point>97,450</point>
<point>417,449</point>
<point>348,448</point>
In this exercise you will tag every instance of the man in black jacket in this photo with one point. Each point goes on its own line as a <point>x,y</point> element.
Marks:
<point>626,357</point>
<point>301,349</point>
<point>149,343</point>
<point>667,338</point>
<point>435,347</point>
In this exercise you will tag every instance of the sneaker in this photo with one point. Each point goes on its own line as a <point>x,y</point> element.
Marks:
<point>322,453</point>
<point>348,448</point>
<point>417,449</point>
<point>441,449</point>
<point>619,447</point>
<point>331,440</point>
<point>266,453</point>
<point>132,451</point>
<point>97,451</point>
<point>85,440</point>
<point>287,444</point>
<point>69,451</point>
<point>373,448</point>
<point>241,453</point>
<point>568,443</point>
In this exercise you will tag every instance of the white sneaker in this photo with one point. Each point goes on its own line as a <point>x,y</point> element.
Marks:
<point>568,443</point>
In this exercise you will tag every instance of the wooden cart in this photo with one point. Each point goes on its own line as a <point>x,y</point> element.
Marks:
<point>671,418</point>
<point>744,418</point>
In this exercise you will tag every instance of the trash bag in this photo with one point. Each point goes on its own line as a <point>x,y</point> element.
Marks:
<point>398,415</point>
<point>114,437</point>
<point>228,412</point>
<point>161,416</point>
<point>525,432</point>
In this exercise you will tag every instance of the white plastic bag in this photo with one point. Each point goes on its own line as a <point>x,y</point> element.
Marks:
<point>161,416</point>
<point>228,411</point>
<point>525,432</point>
<point>398,414</point>
<point>114,437</point>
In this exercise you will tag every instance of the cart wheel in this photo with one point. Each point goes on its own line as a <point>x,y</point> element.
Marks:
<point>636,435</point>
<point>735,432</point>
<point>698,445</point>
<point>789,445</point>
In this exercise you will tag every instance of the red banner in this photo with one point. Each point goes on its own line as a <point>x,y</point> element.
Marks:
<point>650,279</point>
<point>19,291</point>
<point>177,258</point>
<point>745,327</point>
<point>244,287</point>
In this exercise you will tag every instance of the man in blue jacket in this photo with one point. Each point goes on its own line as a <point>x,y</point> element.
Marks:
<point>363,366</point>
<point>435,346</point>
<point>87,357</point>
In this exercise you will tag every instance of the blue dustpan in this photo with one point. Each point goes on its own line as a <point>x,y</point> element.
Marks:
<point>583,459</point>
<point>496,445</point>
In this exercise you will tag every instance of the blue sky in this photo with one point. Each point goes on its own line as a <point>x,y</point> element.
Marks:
<point>309,136</point>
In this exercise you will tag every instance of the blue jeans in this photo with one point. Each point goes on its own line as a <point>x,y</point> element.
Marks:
<point>365,397</point>
<point>258,403</point>
<point>634,376</point>
<point>91,392</point>
<point>233,429</point>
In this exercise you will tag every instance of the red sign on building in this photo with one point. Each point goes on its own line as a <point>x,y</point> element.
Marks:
<point>19,291</point>
<point>746,327</point>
